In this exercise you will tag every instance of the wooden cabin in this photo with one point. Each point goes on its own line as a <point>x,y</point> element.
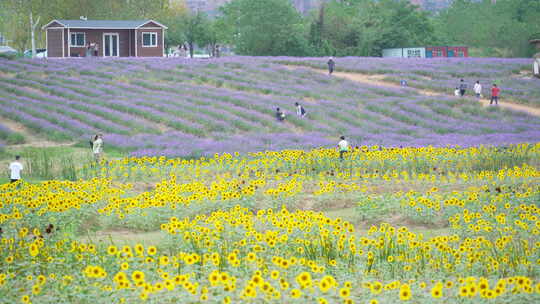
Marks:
<point>105,38</point>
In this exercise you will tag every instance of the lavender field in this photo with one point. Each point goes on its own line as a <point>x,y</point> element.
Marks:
<point>514,76</point>
<point>180,107</point>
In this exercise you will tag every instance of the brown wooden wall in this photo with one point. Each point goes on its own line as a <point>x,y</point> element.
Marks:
<point>54,42</point>
<point>96,36</point>
<point>150,51</point>
<point>132,42</point>
<point>126,42</point>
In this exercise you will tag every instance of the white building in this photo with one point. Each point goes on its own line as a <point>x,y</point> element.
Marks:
<point>416,52</point>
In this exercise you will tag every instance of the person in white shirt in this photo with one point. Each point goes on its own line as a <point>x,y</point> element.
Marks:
<point>536,67</point>
<point>300,111</point>
<point>456,92</point>
<point>15,169</point>
<point>97,147</point>
<point>343,147</point>
<point>478,89</point>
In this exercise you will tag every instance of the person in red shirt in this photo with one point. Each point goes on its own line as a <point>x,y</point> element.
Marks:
<point>495,94</point>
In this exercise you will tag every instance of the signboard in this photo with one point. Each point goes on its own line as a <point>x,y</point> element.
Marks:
<point>414,52</point>
<point>396,53</point>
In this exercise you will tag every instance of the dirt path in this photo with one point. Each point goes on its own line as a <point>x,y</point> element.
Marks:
<point>32,140</point>
<point>378,80</point>
<point>513,106</point>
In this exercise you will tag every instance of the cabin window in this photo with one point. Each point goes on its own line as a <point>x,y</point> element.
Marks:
<point>461,54</point>
<point>439,53</point>
<point>78,39</point>
<point>149,39</point>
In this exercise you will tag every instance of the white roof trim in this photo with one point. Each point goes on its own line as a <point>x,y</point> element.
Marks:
<point>113,28</point>
<point>148,21</point>
<point>101,28</point>
<point>46,25</point>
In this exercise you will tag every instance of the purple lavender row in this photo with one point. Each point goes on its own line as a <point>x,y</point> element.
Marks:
<point>75,98</point>
<point>448,70</point>
<point>62,121</point>
<point>153,101</point>
<point>51,105</point>
<point>37,124</point>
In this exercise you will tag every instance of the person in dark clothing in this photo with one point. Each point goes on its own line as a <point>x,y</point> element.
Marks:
<point>300,111</point>
<point>331,65</point>
<point>280,116</point>
<point>462,87</point>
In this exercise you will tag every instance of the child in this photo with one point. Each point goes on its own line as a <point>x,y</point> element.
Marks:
<point>495,94</point>
<point>280,116</point>
<point>456,91</point>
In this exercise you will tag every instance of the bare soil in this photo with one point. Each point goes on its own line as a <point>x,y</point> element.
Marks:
<point>32,140</point>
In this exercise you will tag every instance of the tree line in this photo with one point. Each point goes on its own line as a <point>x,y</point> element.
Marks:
<point>275,28</point>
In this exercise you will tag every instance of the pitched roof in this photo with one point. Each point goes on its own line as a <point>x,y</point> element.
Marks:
<point>103,24</point>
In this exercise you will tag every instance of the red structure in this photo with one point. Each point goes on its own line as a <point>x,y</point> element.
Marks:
<point>435,51</point>
<point>447,51</point>
<point>458,51</point>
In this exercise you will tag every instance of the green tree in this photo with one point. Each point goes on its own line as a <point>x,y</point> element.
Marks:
<point>264,27</point>
<point>362,27</point>
<point>210,37</point>
<point>174,16</point>
<point>194,30</point>
<point>499,28</point>
<point>17,16</point>
<point>16,13</point>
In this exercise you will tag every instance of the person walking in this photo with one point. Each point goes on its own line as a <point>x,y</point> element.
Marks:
<point>462,87</point>
<point>478,89</point>
<point>495,94</point>
<point>331,64</point>
<point>536,67</point>
<point>300,111</point>
<point>280,116</point>
<point>97,147</point>
<point>15,169</point>
<point>343,147</point>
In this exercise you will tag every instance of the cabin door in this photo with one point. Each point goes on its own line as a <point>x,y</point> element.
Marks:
<point>111,45</point>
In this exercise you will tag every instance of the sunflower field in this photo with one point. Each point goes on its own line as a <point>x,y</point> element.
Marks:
<point>383,225</point>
